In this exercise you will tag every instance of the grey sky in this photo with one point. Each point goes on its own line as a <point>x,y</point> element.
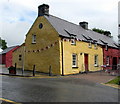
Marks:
<point>119,15</point>
<point>18,15</point>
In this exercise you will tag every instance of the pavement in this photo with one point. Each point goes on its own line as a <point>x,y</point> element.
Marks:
<point>98,77</point>
<point>20,73</point>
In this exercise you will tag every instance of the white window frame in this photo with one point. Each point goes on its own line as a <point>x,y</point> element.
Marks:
<point>106,47</point>
<point>33,38</point>
<point>90,45</point>
<point>96,60</point>
<point>73,42</point>
<point>95,45</point>
<point>74,60</point>
<point>107,60</point>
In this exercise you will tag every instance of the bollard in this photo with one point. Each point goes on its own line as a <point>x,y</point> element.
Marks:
<point>50,71</point>
<point>15,66</point>
<point>34,70</point>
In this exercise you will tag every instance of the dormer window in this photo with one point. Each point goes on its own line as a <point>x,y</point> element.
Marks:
<point>95,45</point>
<point>33,38</point>
<point>90,45</point>
<point>73,42</point>
<point>106,47</point>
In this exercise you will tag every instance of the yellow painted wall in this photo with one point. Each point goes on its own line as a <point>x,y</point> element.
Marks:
<point>44,37</point>
<point>80,47</point>
<point>16,53</point>
<point>53,56</point>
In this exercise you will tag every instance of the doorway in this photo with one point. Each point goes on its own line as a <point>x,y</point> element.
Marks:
<point>86,62</point>
<point>114,63</point>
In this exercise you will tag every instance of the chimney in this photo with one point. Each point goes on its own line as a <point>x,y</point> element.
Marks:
<point>43,10</point>
<point>84,24</point>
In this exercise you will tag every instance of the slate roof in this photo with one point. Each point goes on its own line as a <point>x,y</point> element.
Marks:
<point>68,29</point>
<point>7,49</point>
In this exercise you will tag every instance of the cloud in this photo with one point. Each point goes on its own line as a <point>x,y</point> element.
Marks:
<point>18,15</point>
<point>14,33</point>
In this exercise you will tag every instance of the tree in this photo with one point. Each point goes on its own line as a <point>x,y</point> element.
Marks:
<point>3,44</point>
<point>107,33</point>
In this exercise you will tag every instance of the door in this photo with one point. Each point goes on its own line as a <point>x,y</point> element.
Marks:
<point>114,63</point>
<point>86,62</point>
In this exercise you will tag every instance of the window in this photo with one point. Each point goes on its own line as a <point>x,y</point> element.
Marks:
<point>20,57</point>
<point>106,47</point>
<point>74,60</point>
<point>40,25</point>
<point>73,42</point>
<point>33,38</point>
<point>90,45</point>
<point>107,60</point>
<point>96,60</point>
<point>95,45</point>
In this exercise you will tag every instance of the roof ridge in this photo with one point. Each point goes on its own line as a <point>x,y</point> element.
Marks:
<point>63,19</point>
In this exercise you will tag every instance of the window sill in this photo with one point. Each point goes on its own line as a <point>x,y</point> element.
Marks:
<point>33,42</point>
<point>73,44</point>
<point>89,47</point>
<point>95,48</point>
<point>74,67</point>
<point>107,65</point>
<point>96,65</point>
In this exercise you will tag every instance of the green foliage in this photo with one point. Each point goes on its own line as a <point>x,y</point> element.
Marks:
<point>115,81</point>
<point>107,33</point>
<point>3,44</point>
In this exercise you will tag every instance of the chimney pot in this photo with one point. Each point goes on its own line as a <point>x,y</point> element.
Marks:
<point>43,10</point>
<point>84,24</point>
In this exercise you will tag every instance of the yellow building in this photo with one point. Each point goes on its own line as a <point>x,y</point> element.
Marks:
<point>60,46</point>
<point>18,56</point>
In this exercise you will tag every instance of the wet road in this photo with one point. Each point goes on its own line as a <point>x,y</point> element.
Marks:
<point>64,89</point>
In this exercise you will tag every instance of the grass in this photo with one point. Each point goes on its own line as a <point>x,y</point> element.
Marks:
<point>115,81</point>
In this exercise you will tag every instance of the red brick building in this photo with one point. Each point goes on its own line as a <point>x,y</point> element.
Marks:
<point>6,56</point>
<point>111,57</point>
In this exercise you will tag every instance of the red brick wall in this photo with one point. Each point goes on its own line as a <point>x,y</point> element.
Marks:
<point>111,52</point>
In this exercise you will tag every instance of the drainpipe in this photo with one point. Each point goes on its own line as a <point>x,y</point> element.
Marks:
<point>62,57</point>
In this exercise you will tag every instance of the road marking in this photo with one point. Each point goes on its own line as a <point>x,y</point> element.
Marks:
<point>112,85</point>
<point>10,101</point>
<point>41,77</point>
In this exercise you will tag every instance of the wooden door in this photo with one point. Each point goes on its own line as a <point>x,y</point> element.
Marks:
<point>86,62</point>
<point>114,63</point>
